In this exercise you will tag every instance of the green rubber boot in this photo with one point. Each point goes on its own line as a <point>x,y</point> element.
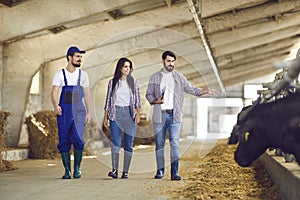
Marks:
<point>77,161</point>
<point>66,160</point>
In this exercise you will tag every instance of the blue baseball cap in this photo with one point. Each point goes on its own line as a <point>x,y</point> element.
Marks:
<point>74,49</point>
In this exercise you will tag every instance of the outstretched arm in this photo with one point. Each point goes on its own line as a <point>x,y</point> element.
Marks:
<point>208,91</point>
<point>190,89</point>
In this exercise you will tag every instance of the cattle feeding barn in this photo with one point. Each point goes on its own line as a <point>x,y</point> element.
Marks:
<point>224,45</point>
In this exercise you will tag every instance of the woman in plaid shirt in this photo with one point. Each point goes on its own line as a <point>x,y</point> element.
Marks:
<point>122,109</point>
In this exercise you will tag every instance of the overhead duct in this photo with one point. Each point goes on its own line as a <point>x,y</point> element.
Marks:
<point>206,47</point>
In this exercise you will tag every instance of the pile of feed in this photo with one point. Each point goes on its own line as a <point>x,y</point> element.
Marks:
<point>217,176</point>
<point>4,165</point>
<point>43,135</point>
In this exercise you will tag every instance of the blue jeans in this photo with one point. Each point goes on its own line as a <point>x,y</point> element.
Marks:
<point>123,123</point>
<point>160,139</point>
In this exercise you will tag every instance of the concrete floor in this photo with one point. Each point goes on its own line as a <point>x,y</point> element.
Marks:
<point>41,179</point>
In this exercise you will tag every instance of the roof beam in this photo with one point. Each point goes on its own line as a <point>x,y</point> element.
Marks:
<point>222,38</point>
<point>54,14</point>
<point>210,8</point>
<point>249,74</point>
<point>257,58</point>
<point>249,68</point>
<point>110,31</point>
<point>242,78</point>
<point>226,21</point>
<point>279,44</point>
<point>256,41</point>
<point>257,71</point>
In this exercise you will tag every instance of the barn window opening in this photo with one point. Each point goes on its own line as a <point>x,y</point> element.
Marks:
<point>251,90</point>
<point>35,84</point>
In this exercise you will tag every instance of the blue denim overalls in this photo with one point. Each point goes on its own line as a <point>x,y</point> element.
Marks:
<point>71,122</point>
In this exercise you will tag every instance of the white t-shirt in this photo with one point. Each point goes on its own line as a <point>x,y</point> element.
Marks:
<point>167,82</point>
<point>122,93</point>
<point>72,78</point>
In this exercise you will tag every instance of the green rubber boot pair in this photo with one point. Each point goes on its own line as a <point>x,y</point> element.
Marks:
<point>66,160</point>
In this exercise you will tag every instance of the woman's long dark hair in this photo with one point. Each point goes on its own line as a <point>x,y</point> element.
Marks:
<point>118,74</point>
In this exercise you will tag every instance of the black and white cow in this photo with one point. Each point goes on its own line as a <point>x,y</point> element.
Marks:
<point>275,124</point>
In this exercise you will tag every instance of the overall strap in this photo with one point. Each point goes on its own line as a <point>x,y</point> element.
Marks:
<point>65,79</point>
<point>78,82</point>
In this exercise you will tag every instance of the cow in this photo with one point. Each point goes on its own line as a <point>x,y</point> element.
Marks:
<point>274,124</point>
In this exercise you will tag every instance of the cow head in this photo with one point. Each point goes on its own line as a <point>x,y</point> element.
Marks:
<point>250,147</point>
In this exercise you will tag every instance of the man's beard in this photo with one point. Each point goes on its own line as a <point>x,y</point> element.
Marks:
<point>76,65</point>
<point>169,68</point>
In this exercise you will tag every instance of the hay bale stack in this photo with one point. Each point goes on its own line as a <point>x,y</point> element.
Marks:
<point>4,165</point>
<point>43,135</point>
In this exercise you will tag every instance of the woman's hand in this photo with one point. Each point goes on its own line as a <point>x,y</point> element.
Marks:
<point>138,118</point>
<point>105,122</point>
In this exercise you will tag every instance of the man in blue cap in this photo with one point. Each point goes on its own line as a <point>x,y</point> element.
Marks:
<point>72,113</point>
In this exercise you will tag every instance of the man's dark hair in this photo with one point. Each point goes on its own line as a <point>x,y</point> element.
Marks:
<point>168,53</point>
<point>67,56</point>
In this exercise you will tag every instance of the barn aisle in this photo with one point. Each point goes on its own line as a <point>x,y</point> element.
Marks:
<point>215,176</point>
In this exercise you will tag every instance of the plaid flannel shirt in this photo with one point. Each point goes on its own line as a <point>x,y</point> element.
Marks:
<point>111,98</point>
<point>181,86</point>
